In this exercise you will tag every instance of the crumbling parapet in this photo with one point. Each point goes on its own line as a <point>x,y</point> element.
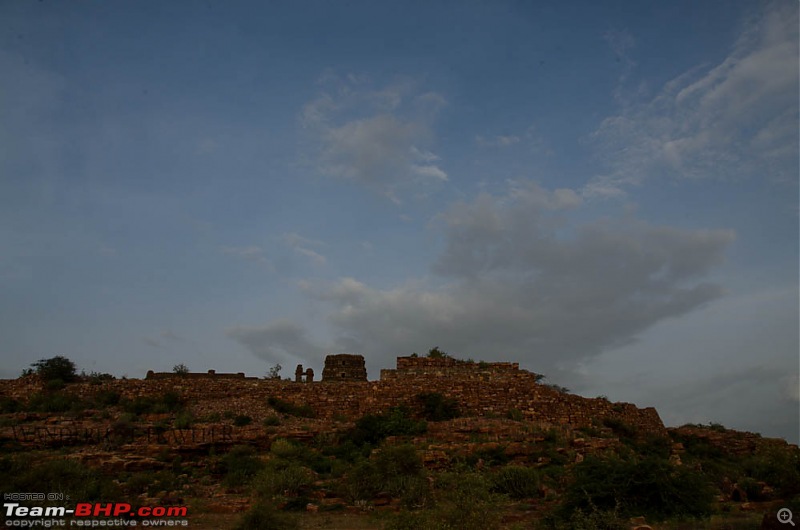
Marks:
<point>344,367</point>
<point>301,375</point>
<point>211,374</point>
<point>448,366</point>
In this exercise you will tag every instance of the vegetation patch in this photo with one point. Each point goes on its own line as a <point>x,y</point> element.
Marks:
<point>372,428</point>
<point>634,485</point>
<point>290,409</point>
<point>436,407</point>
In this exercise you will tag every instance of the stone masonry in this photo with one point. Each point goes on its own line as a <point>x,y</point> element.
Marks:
<point>344,367</point>
<point>481,389</point>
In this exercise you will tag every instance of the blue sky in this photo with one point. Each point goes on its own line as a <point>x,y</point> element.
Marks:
<point>606,193</point>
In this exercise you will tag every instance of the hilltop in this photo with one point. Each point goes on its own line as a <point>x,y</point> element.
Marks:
<point>434,440</point>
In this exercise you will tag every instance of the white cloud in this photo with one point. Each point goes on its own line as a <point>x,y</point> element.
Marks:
<point>791,387</point>
<point>430,171</point>
<point>378,138</point>
<point>248,253</point>
<point>301,245</point>
<point>737,119</point>
<point>281,341</point>
<point>519,281</point>
<point>317,258</point>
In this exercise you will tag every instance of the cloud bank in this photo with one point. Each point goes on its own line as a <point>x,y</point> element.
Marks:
<point>520,278</point>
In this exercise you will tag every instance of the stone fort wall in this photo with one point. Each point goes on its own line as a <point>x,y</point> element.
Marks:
<point>481,389</point>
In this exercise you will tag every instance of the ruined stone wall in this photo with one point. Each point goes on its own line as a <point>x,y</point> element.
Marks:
<point>344,367</point>
<point>480,393</point>
<point>196,375</point>
<point>441,366</point>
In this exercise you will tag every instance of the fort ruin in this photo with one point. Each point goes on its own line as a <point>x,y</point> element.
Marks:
<point>344,367</point>
<point>481,389</point>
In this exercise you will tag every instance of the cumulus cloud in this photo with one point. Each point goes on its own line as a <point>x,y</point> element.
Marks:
<point>281,341</point>
<point>518,280</point>
<point>378,138</point>
<point>735,119</point>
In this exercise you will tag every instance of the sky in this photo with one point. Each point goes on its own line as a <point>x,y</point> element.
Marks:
<point>604,192</point>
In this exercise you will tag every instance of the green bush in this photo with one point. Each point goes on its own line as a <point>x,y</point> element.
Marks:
<point>106,398</point>
<point>466,503</point>
<point>751,488</point>
<point>515,414</point>
<point>241,420</point>
<point>264,516</point>
<point>54,385</point>
<point>491,456</point>
<point>58,367</point>
<point>372,428</point>
<point>281,478</point>
<point>648,486</point>
<point>9,405</point>
<point>96,378</point>
<point>396,470</point>
<point>286,449</point>
<point>272,421</point>
<point>592,519</point>
<point>516,481</point>
<point>620,428</point>
<point>54,402</point>
<point>658,446</point>
<point>777,466</point>
<point>240,465</point>
<point>362,482</point>
<point>436,353</point>
<point>80,482</point>
<point>346,450</point>
<point>436,407</point>
<point>165,480</point>
<point>184,420</point>
<point>167,402</point>
<point>398,460</point>
<point>285,407</point>
<point>138,483</point>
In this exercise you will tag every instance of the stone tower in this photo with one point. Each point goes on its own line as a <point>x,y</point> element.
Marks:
<point>344,367</point>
